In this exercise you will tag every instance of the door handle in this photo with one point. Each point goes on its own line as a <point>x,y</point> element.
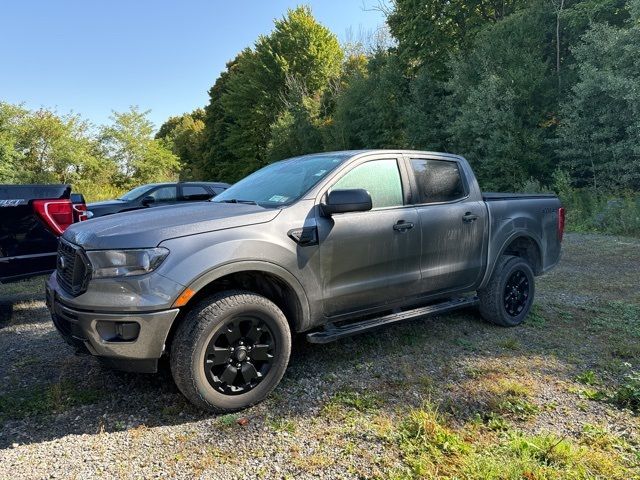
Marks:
<point>402,226</point>
<point>469,217</point>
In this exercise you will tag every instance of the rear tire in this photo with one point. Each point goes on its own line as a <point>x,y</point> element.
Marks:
<point>231,351</point>
<point>508,297</point>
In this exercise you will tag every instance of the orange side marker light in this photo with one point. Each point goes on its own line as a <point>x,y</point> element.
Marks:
<point>184,298</point>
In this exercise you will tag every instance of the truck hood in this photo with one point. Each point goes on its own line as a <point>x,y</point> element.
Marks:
<point>147,228</point>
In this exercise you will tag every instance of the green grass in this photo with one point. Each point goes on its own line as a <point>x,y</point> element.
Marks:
<point>26,289</point>
<point>431,448</point>
<point>510,398</point>
<point>587,378</point>
<point>352,399</point>
<point>464,343</point>
<point>536,317</point>
<point>45,399</point>
<point>627,395</point>
<point>510,344</point>
<point>281,424</point>
<point>229,420</point>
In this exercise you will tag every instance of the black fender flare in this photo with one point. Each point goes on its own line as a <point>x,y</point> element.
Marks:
<point>260,266</point>
<point>491,265</point>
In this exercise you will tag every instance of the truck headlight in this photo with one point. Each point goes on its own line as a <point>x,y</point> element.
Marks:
<point>124,263</point>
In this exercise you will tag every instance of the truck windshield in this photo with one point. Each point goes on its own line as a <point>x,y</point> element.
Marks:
<point>282,183</point>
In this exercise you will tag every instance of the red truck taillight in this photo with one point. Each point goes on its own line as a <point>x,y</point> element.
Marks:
<point>79,212</point>
<point>56,214</point>
<point>561,216</point>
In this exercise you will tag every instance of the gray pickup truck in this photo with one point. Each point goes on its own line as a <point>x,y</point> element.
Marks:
<point>329,244</point>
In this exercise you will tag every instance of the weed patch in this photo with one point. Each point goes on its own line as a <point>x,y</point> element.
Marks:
<point>430,448</point>
<point>361,401</point>
<point>627,395</point>
<point>47,399</point>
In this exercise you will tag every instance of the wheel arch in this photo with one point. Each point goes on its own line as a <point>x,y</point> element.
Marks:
<point>264,278</point>
<point>521,245</point>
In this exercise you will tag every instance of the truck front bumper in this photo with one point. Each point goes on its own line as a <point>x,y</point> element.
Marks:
<point>131,341</point>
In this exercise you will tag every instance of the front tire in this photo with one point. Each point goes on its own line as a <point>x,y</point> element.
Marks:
<point>231,351</point>
<point>508,297</point>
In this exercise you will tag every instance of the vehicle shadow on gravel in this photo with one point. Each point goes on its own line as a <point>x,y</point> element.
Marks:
<point>48,392</point>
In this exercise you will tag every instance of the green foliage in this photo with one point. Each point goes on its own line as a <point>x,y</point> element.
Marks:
<point>255,94</point>
<point>500,96</point>
<point>184,136</point>
<point>432,449</point>
<point>43,147</point>
<point>11,116</point>
<point>298,128</point>
<point>139,157</point>
<point>424,118</point>
<point>600,127</point>
<point>588,377</point>
<point>429,31</point>
<point>369,113</point>
<point>628,394</point>
<point>360,401</point>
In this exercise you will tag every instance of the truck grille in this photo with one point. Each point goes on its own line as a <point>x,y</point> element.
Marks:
<point>73,268</point>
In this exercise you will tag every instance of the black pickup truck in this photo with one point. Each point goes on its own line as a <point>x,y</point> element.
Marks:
<point>32,217</point>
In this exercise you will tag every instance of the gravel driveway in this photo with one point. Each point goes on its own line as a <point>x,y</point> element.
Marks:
<point>341,409</point>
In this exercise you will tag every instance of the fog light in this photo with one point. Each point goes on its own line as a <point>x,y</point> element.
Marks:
<point>118,331</point>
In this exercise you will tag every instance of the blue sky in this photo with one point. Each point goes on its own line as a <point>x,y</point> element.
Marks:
<point>91,57</point>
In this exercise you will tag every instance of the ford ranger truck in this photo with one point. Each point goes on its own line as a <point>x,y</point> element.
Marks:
<point>329,244</point>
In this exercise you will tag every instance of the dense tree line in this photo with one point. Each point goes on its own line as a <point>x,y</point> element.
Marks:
<point>525,89</point>
<point>537,94</point>
<point>44,147</point>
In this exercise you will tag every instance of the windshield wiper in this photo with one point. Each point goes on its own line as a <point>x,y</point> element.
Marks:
<point>235,200</point>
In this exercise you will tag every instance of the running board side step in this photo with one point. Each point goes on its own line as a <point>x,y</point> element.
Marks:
<point>331,332</point>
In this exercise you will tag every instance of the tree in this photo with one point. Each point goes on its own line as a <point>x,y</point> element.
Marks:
<point>298,128</point>
<point>10,118</point>
<point>184,136</point>
<point>369,113</point>
<point>501,97</point>
<point>599,135</point>
<point>140,158</point>
<point>430,31</point>
<point>251,96</point>
<point>219,162</point>
<point>42,146</point>
<point>424,114</point>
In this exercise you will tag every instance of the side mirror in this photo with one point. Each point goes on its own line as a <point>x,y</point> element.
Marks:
<point>343,201</point>
<point>146,201</point>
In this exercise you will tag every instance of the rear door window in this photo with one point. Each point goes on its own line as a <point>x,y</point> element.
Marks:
<point>438,180</point>
<point>195,192</point>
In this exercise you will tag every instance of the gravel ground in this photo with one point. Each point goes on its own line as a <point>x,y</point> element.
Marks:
<point>335,413</point>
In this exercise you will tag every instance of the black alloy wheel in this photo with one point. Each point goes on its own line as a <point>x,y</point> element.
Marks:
<point>230,350</point>
<point>508,296</point>
<point>239,355</point>
<point>516,293</point>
